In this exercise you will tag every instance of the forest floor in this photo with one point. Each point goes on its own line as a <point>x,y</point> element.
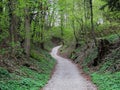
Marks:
<point>23,74</point>
<point>67,76</point>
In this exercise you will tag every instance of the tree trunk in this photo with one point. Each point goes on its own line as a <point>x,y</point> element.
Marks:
<point>62,26</point>
<point>76,39</point>
<point>1,8</point>
<point>42,26</point>
<point>85,22</point>
<point>13,26</point>
<point>1,12</point>
<point>27,35</point>
<point>92,24</point>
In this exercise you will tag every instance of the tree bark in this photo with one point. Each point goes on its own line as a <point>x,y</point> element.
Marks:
<point>42,26</point>
<point>1,8</point>
<point>74,31</point>
<point>62,26</point>
<point>27,34</point>
<point>13,25</point>
<point>85,22</point>
<point>92,24</point>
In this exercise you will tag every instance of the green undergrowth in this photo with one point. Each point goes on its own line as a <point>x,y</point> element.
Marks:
<point>112,38</point>
<point>88,59</point>
<point>28,78</point>
<point>106,75</point>
<point>107,81</point>
<point>112,62</point>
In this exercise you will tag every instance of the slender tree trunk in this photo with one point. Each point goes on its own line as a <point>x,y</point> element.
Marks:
<point>92,24</point>
<point>43,13</point>
<point>85,22</point>
<point>13,25</point>
<point>27,34</point>
<point>62,26</point>
<point>41,34</point>
<point>76,39</point>
<point>1,8</point>
<point>51,18</point>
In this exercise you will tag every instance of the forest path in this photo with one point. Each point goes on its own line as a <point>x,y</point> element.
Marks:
<point>67,76</point>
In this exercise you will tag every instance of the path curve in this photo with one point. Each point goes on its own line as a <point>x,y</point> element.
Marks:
<point>67,76</point>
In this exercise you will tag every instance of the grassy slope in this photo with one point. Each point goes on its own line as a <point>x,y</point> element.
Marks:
<point>107,81</point>
<point>25,78</point>
<point>105,77</point>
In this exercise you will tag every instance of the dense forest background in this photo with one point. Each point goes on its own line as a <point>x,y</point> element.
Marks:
<point>89,31</point>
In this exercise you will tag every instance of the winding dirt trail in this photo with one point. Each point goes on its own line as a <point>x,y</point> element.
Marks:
<point>67,76</point>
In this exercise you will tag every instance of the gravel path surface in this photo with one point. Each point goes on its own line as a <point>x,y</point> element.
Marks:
<point>67,76</point>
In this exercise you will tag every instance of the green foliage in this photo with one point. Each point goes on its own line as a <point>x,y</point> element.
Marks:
<point>57,32</point>
<point>111,10</point>
<point>91,56</point>
<point>106,77</point>
<point>106,65</point>
<point>111,61</point>
<point>68,35</point>
<point>4,73</point>
<point>29,79</point>
<point>113,5</point>
<point>4,24</point>
<point>3,51</point>
<point>23,84</point>
<point>112,38</point>
<point>46,61</point>
<point>107,81</point>
<point>47,19</point>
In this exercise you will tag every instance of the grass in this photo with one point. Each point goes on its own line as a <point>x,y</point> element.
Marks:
<point>25,78</point>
